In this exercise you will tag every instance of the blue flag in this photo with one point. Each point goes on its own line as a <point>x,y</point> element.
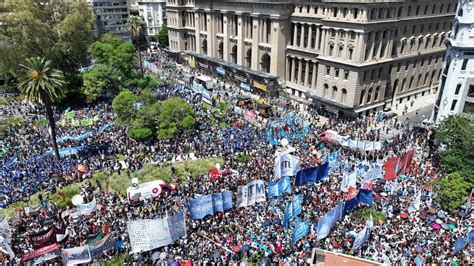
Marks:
<point>227,200</point>
<point>461,242</point>
<point>323,171</point>
<point>306,175</point>
<point>363,235</point>
<point>301,230</point>
<point>364,196</point>
<point>325,224</point>
<point>333,160</point>
<point>292,209</point>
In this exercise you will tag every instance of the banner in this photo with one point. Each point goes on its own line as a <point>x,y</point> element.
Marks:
<point>251,193</point>
<point>200,207</point>
<point>76,255</point>
<point>43,238</point>
<point>312,174</point>
<point>293,209</point>
<point>364,196</point>
<point>145,191</point>
<point>334,137</point>
<point>42,255</point>
<point>333,160</point>
<point>147,234</point>
<point>286,165</point>
<point>217,203</point>
<point>276,189</point>
<point>461,242</point>
<point>396,166</point>
<point>363,235</point>
<point>76,138</point>
<point>98,248</point>
<point>348,180</point>
<point>227,200</point>
<point>5,233</point>
<point>301,230</point>
<point>87,208</point>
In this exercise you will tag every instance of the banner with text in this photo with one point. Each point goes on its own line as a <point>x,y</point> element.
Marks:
<point>251,193</point>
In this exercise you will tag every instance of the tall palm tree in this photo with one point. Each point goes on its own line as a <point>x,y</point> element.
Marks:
<point>42,84</point>
<point>135,26</point>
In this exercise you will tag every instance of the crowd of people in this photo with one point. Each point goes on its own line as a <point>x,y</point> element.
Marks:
<point>250,234</point>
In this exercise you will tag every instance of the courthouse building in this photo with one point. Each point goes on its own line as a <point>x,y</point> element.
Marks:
<point>349,56</point>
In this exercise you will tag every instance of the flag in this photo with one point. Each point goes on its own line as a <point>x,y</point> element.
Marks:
<point>325,224</point>
<point>406,162</point>
<point>395,166</point>
<point>307,175</point>
<point>352,193</point>
<point>323,171</point>
<point>363,235</point>
<point>461,242</point>
<point>415,204</point>
<point>333,160</point>
<point>348,180</point>
<point>364,196</point>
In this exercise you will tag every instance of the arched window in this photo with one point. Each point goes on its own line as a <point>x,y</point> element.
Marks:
<point>204,46</point>
<point>343,95</point>
<point>376,95</point>
<point>460,12</point>
<point>325,90</point>
<point>265,63</point>
<point>418,80</point>
<point>403,84</point>
<point>334,92</point>
<point>395,85</point>
<point>233,54</point>
<point>426,78</point>
<point>369,95</point>
<point>362,94</point>
<point>411,82</point>
<point>248,58</point>
<point>220,51</point>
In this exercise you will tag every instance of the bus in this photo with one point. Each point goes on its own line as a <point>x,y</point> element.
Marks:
<point>202,86</point>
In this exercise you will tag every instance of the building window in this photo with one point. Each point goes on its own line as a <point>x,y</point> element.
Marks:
<point>331,50</point>
<point>458,88</point>
<point>351,52</point>
<point>334,92</point>
<point>369,95</point>
<point>377,91</point>
<point>362,94</point>
<point>343,95</point>
<point>346,74</point>
<point>464,64</point>
<point>325,90</point>
<point>468,108</point>
<point>364,77</point>
<point>453,105</point>
<point>328,70</point>
<point>336,72</point>
<point>470,92</point>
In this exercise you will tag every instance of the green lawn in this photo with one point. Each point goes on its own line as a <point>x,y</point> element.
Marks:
<point>120,183</point>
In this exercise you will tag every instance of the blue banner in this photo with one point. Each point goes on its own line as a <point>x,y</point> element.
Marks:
<point>333,160</point>
<point>217,202</point>
<point>227,200</point>
<point>177,226</point>
<point>301,230</point>
<point>104,127</point>
<point>276,189</point>
<point>364,196</point>
<point>76,138</point>
<point>350,205</point>
<point>200,207</point>
<point>292,209</point>
<point>325,224</point>
<point>461,242</point>
<point>312,174</point>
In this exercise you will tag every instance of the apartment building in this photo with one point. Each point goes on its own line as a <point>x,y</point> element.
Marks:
<point>354,57</point>
<point>111,17</point>
<point>456,86</point>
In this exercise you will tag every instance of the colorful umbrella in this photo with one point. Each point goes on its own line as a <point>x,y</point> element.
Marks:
<point>452,226</point>
<point>445,226</point>
<point>423,216</point>
<point>431,218</point>
<point>438,221</point>
<point>436,226</point>
<point>403,215</point>
<point>420,249</point>
<point>236,249</point>
<point>441,215</point>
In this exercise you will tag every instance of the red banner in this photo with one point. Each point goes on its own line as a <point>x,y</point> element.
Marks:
<point>43,238</point>
<point>39,252</point>
<point>395,166</point>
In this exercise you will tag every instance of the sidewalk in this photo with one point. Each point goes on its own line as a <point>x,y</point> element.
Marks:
<point>419,103</point>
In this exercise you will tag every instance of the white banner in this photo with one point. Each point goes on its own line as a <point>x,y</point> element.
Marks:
<point>286,165</point>
<point>77,255</point>
<point>147,234</point>
<point>251,193</point>
<point>87,208</point>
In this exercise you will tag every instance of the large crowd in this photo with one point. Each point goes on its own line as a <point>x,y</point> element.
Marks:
<point>256,230</point>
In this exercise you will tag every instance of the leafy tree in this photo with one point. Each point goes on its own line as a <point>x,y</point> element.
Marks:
<point>59,30</point>
<point>452,191</point>
<point>135,26</point>
<point>124,106</point>
<point>43,84</point>
<point>98,81</point>
<point>456,133</point>
<point>175,116</point>
<point>142,133</point>
<point>162,36</point>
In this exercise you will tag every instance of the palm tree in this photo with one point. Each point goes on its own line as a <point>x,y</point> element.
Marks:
<point>135,26</point>
<point>42,84</point>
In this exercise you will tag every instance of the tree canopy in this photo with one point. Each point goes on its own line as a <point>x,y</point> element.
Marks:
<point>162,36</point>
<point>58,30</point>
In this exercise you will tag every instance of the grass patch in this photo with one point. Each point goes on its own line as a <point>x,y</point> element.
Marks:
<point>3,101</point>
<point>365,213</point>
<point>242,158</point>
<point>120,183</point>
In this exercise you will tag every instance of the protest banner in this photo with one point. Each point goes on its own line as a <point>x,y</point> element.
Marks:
<point>147,234</point>
<point>217,203</point>
<point>286,165</point>
<point>312,174</point>
<point>251,193</point>
<point>76,255</point>
<point>42,255</point>
<point>227,200</point>
<point>87,208</point>
<point>293,209</point>
<point>276,189</point>
<point>334,137</point>
<point>301,230</point>
<point>98,248</point>
<point>200,207</point>
<point>43,238</point>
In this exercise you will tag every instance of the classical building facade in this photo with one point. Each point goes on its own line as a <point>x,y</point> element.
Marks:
<point>111,17</point>
<point>350,56</point>
<point>153,13</point>
<point>456,86</point>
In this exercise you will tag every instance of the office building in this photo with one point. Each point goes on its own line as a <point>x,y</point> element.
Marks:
<point>111,17</point>
<point>354,57</point>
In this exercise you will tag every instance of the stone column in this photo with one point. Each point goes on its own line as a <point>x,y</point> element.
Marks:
<point>240,40</point>
<point>310,32</point>
<point>306,73</point>
<point>295,33</point>
<point>361,47</point>
<point>280,28</point>
<point>287,70</point>
<point>323,42</point>
<point>300,68</point>
<point>316,45</point>
<point>346,46</point>
<point>198,32</point>
<point>372,47</point>
<point>293,69</point>
<point>255,41</point>
<point>303,26</point>
<point>315,74</point>
<point>388,49</point>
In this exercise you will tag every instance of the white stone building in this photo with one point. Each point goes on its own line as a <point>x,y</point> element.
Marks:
<point>111,17</point>
<point>456,86</point>
<point>153,15</point>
